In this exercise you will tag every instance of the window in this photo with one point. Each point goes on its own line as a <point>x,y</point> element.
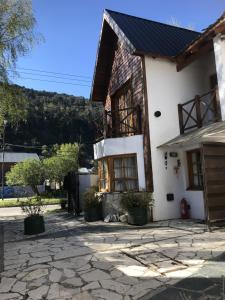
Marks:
<point>195,169</point>
<point>125,174</point>
<point>118,173</point>
<point>103,175</point>
<point>124,111</point>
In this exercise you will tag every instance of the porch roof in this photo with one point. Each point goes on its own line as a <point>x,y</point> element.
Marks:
<point>211,133</point>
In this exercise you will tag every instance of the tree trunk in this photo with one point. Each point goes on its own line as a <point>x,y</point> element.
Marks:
<point>35,190</point>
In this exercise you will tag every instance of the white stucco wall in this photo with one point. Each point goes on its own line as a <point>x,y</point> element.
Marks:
<point>85,182</point>
<point>219,50</point>
<point>166,88</point>
<point>123,145</point>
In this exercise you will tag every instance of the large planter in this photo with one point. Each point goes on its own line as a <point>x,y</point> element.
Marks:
<point>34,224</point>
<point>63,204</point>
<point>137,216</point>
<point>93,214</point>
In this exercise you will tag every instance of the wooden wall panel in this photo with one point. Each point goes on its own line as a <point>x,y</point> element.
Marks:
<point>127,67</point>
<point>213,158</point>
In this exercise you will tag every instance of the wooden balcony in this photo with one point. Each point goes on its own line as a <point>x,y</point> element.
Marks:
<point>121,123</point>
<point>200,111</point>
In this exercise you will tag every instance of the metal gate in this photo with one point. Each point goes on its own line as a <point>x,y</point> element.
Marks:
<point>213,164</point>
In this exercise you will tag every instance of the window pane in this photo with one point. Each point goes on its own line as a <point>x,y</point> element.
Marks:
<point>195,169</point>
<point>129,167</point>
<point>131,184</point>
<point>118,168</point>
<point>119,187</point>
<point>193,157</point>
<point>125,167</point>
<point>103,174</point>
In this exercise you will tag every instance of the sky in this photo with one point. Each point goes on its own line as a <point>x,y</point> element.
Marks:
<point>71,30</point>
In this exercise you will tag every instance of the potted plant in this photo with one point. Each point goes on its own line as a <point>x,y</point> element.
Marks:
<point>63,203</point>
<point>137,205</point>
<point>34,222</point>
<point>92,205</point>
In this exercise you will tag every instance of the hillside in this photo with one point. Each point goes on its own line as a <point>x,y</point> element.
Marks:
<point>55,119</point>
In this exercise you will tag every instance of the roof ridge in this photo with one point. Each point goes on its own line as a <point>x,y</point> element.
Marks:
<point>165,24</point>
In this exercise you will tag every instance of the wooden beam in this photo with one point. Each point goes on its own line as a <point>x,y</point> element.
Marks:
<point>188,58</point>
<point>146,136</point>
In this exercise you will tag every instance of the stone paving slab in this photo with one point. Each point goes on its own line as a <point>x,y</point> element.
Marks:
<point>76,260</point>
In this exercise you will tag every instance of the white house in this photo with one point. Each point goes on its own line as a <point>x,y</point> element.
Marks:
<point>163,91</point>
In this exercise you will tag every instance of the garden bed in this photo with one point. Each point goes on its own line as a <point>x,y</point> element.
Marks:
<point>13,202</point>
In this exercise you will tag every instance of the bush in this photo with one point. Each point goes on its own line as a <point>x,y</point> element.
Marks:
<point>29,172</point>
<point>132,200</point>
<point>90,198</point>
<point>32,206</point>
<point>17,202</point>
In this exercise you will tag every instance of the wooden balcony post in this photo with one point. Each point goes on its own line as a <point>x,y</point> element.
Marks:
<point>198,111</point>
<point>181,120</point>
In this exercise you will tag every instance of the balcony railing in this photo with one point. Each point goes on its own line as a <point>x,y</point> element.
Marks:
<point>200,111</point>
<point>121,122</point>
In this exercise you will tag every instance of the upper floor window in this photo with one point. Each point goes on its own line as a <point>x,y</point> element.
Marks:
<point>123,111</point>
<point>194,161</point>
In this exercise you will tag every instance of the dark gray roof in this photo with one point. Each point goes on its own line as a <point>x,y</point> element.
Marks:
<point>153,37</point>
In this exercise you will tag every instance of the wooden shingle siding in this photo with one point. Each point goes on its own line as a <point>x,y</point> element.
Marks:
<point>128,68</point>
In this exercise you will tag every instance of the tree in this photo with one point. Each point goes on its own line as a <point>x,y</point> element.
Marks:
<point>16,33</point>
<point>64,161</point>
<point>13,105</point>
<point>16,38</point>
<point>69,154</point>
<point>29,172</point>
<point>54,169</point>
<point>33,172</point>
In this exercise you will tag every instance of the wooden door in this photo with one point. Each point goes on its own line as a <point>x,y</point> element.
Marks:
<point>213,164</point>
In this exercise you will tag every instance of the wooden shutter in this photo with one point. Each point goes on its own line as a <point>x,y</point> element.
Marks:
<point>213,163</point>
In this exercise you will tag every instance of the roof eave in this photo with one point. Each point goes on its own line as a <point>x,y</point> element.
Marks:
<point>120,34</point>
<point>200,43</point>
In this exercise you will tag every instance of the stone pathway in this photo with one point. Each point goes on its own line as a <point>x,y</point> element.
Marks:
<point>75,260</point>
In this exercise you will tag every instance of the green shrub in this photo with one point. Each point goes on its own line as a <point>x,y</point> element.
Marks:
<point>32,206</point>
<point>17,202</point>
<point>130,200</point>
<point>90,198</point>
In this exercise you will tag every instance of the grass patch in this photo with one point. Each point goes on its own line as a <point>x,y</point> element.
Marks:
<point>15,203</point>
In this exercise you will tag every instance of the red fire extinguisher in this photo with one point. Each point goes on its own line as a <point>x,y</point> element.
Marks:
<point>184,209</point>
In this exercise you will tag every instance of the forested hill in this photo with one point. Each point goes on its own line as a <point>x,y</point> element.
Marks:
<point>55,119</point>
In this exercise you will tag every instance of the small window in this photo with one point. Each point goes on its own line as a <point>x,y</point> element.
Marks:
<point>103,174</point>
<point>125,174</point>
<point>195,170</point>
